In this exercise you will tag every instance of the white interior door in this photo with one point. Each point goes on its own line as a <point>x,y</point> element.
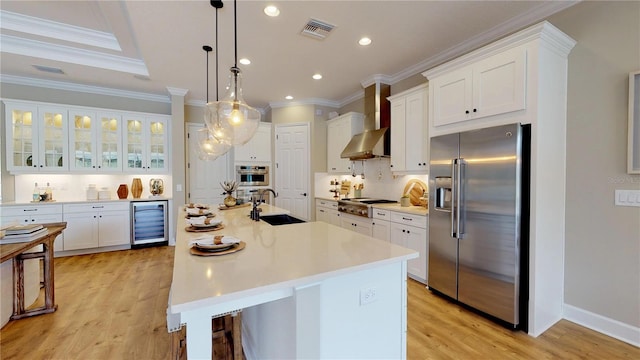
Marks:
<point>205,176</point>
<point>292,169</point>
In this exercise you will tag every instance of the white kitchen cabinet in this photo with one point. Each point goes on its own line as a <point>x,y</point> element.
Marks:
<point>410,231</point>
<point>409,131</point>
<point>380,225</point>
<point>258,149</point>
<point>327,211</point>
<point>94,225</point>
<point>145,143</point>
<point>355,223</point>
<point>339,132</point>
<point>36,137</point>
<point>34,214</point>
<point>492,86</point>
<point>95,140</point>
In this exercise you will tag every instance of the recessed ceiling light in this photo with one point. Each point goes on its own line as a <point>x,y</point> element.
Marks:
<point>272,11</point>
<point>317,76</point>
<point>289,97</point>
<point>364,41</point>
<point>245,61</point>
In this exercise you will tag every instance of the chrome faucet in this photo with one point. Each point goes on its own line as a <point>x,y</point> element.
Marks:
<point>255,211</point>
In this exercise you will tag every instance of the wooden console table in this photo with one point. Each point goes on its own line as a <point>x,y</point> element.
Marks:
<point>17,253</point>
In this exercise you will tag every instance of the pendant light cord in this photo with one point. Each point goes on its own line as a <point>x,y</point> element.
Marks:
<point>216,54</point>
<point>235,44</point>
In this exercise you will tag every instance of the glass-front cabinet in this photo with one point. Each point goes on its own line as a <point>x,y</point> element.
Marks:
<point>96,141</point>
<point>145,143</point>
<point>36,138</point>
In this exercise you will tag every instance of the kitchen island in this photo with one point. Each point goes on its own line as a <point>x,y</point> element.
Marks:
<point>308,290</point>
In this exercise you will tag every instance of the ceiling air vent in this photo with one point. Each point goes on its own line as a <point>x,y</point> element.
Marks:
<point>48,69</point>
<point>317,29</point>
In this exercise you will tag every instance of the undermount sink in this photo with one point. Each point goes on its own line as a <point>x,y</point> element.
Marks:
<point>281,219</point>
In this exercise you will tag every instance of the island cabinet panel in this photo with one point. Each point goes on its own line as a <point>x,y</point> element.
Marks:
<point>353,316</point>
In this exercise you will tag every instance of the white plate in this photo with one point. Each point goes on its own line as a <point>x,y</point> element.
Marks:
<point>212,224</point>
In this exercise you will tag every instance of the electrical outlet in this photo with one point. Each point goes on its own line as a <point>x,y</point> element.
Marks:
<point>368,295</point>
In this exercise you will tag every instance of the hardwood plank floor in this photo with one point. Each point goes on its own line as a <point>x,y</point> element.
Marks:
<point>112,306</point>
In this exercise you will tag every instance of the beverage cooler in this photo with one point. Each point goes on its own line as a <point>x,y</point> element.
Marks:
<point>149,223</point>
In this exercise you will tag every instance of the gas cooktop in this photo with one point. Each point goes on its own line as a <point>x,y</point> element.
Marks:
<point>369,201</point>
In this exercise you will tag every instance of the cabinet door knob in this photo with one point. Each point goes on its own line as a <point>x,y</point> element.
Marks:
<point>466,111</point>
<point>474,110</point>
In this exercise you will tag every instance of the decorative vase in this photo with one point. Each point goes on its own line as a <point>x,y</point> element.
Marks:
<point>123,191</point>
<point>136,188</point>
<point>230,201</point>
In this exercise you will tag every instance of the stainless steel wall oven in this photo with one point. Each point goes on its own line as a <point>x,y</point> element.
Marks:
<point>252,175</point>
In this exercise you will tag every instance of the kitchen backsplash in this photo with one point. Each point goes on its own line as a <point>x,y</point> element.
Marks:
<point>73,187</point>
<point>378,181</point>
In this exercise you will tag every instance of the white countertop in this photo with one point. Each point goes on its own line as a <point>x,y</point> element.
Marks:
<point>276,259</point>
<point>13,203</point>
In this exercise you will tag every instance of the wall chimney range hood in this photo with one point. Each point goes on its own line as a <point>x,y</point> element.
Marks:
<point>374,142</point>
<point>366,145</point>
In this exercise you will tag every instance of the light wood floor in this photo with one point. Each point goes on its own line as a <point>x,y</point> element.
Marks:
<point>112,306</point>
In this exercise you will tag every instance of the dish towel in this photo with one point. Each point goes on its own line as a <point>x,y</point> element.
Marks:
<point>215,240</point>
<point>203,220</point>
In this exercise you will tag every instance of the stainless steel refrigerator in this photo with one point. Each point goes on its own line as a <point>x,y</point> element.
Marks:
<point>478,210</point>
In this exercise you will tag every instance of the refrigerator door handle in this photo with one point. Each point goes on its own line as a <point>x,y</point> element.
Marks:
<point>454,196</point>
<point>457,167</point>
<point>460,165</point>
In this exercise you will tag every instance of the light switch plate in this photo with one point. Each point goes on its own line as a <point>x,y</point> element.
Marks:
<point>627,198</point>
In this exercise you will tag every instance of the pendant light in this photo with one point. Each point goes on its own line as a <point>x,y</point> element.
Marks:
<point>231,119</point>
<point>210,147</point>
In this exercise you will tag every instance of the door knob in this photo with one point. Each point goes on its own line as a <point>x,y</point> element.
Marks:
<point>304,194</point>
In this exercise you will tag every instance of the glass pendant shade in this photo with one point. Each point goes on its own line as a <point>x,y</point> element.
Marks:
<point>210,148</point>
<point>231,119</point>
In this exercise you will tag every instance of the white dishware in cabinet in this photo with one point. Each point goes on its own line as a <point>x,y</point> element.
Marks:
<point>96,225</point>
<point>145,143</point>
<point>36,138</point>
<point>95,140</point>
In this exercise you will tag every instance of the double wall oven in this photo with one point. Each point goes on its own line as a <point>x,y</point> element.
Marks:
<point>251,179</point>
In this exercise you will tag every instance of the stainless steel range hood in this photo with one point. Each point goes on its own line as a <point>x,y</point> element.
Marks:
<point>366,145</point>
<point>375,140</point>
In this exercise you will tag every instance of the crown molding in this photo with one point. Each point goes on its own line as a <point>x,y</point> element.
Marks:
<point>377,78</point>
<point>34,48</point>
<point>60,85</point>
<point>177,91</point>
<point>310,101</point>
<point>55,30</point>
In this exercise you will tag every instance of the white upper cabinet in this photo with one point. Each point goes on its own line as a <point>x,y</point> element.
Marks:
<point>339,132</point>
<point>145,140</point>
<point>258,149</point>
<point>492,86</point>
<point>36,138</point>
<point>95,140</point>
<point>409,131</point>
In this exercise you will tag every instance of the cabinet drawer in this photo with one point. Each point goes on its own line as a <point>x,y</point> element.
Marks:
<point>381,214</point>
<point>328,204</point>
<point>409,219</point>
<point>32,210</point>
<point>93,207</point>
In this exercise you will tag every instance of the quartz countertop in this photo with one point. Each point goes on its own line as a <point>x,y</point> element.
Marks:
<point>275,261</point>
<point>14,203</point>
<point>416,210</point>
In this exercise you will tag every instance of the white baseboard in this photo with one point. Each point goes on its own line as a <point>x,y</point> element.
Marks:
<point>614,328</point>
